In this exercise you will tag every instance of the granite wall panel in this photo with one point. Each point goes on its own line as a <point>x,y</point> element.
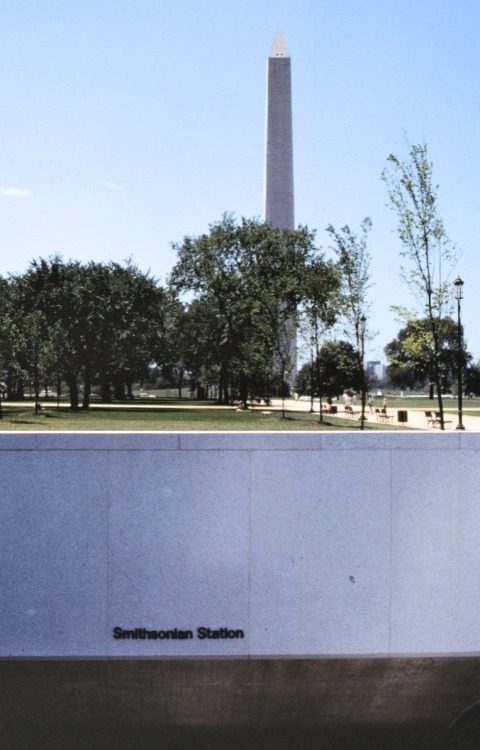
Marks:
<point>176,545</point>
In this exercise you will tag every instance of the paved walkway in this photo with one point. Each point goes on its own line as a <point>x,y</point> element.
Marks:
<point>416,417</point>
<point>418,420</point>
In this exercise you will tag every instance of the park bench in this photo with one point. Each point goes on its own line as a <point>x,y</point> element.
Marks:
<point>445,421</point>
<point>382,416</point>
<point>432,420</point>
<point>329,408</point>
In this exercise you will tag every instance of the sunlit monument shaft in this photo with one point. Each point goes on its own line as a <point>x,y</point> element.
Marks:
<point>279,205</point>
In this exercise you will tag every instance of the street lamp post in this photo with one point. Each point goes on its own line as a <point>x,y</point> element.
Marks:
<point>458,283</point>
<point>362,339</point>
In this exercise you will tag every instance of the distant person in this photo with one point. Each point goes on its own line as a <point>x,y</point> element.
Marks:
<point>385,404</point>
<point>370,403</point>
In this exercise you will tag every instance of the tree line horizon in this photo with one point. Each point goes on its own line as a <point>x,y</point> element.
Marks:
<point>235,300</point>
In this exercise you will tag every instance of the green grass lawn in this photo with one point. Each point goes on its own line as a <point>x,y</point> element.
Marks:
<point>175,416</point>
<point>208,419</point>
<point>169,419</point>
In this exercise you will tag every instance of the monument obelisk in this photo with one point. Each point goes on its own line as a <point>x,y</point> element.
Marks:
<point>279,205</point>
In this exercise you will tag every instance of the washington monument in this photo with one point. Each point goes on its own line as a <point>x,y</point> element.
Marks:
<point>279,167</point>
<point>279,209</point>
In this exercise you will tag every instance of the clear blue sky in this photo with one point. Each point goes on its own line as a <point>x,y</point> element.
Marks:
<point>127,124</point>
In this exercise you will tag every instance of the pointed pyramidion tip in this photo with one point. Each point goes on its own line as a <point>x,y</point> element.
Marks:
<point>279,48</point>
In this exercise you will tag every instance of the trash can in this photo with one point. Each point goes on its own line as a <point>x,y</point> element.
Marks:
<point>402,415</point>
<point>332,410</point>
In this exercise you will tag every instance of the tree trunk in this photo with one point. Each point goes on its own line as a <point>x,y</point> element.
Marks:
<point>318,385</point>
<point>87,389</point>
<point>9,384</point>
<point>436,370</point>
<point>59,390</point>
<point>180,381</point>
<point>223,385</point>
<point>73,391</point>
<point>243,389</point>
<point>312,386</point>
<point>36,388</point>
<point>118,389</point>
<point>105,391</point>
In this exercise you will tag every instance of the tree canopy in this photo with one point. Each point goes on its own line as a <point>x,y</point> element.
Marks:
<point>336,369</point>
<point>412,355</point>
<point>426,248</point>
<point>249,281</point>
<point>68,321</point>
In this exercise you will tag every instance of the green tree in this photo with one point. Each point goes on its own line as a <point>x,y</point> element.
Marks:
<point>176,324</point>
<point>97,322</point>
<point>412,354</point>
<point>130,327</point>
<point>207,267</point>
<point>337,365</point>
<point>9,335</point>
<point>277,267</point>
<point>319,313</point>
<point>249,279</point>
<point>54,288</point>
<point>34,352</point>
<point>193,332</point>
<point>354,264</point>
<point>472,378</point>
<point>426,247</point>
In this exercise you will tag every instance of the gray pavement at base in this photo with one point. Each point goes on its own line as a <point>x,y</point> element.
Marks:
<point>358,703</point>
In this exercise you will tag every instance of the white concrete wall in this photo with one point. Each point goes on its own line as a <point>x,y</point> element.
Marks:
<point>311,544</point>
